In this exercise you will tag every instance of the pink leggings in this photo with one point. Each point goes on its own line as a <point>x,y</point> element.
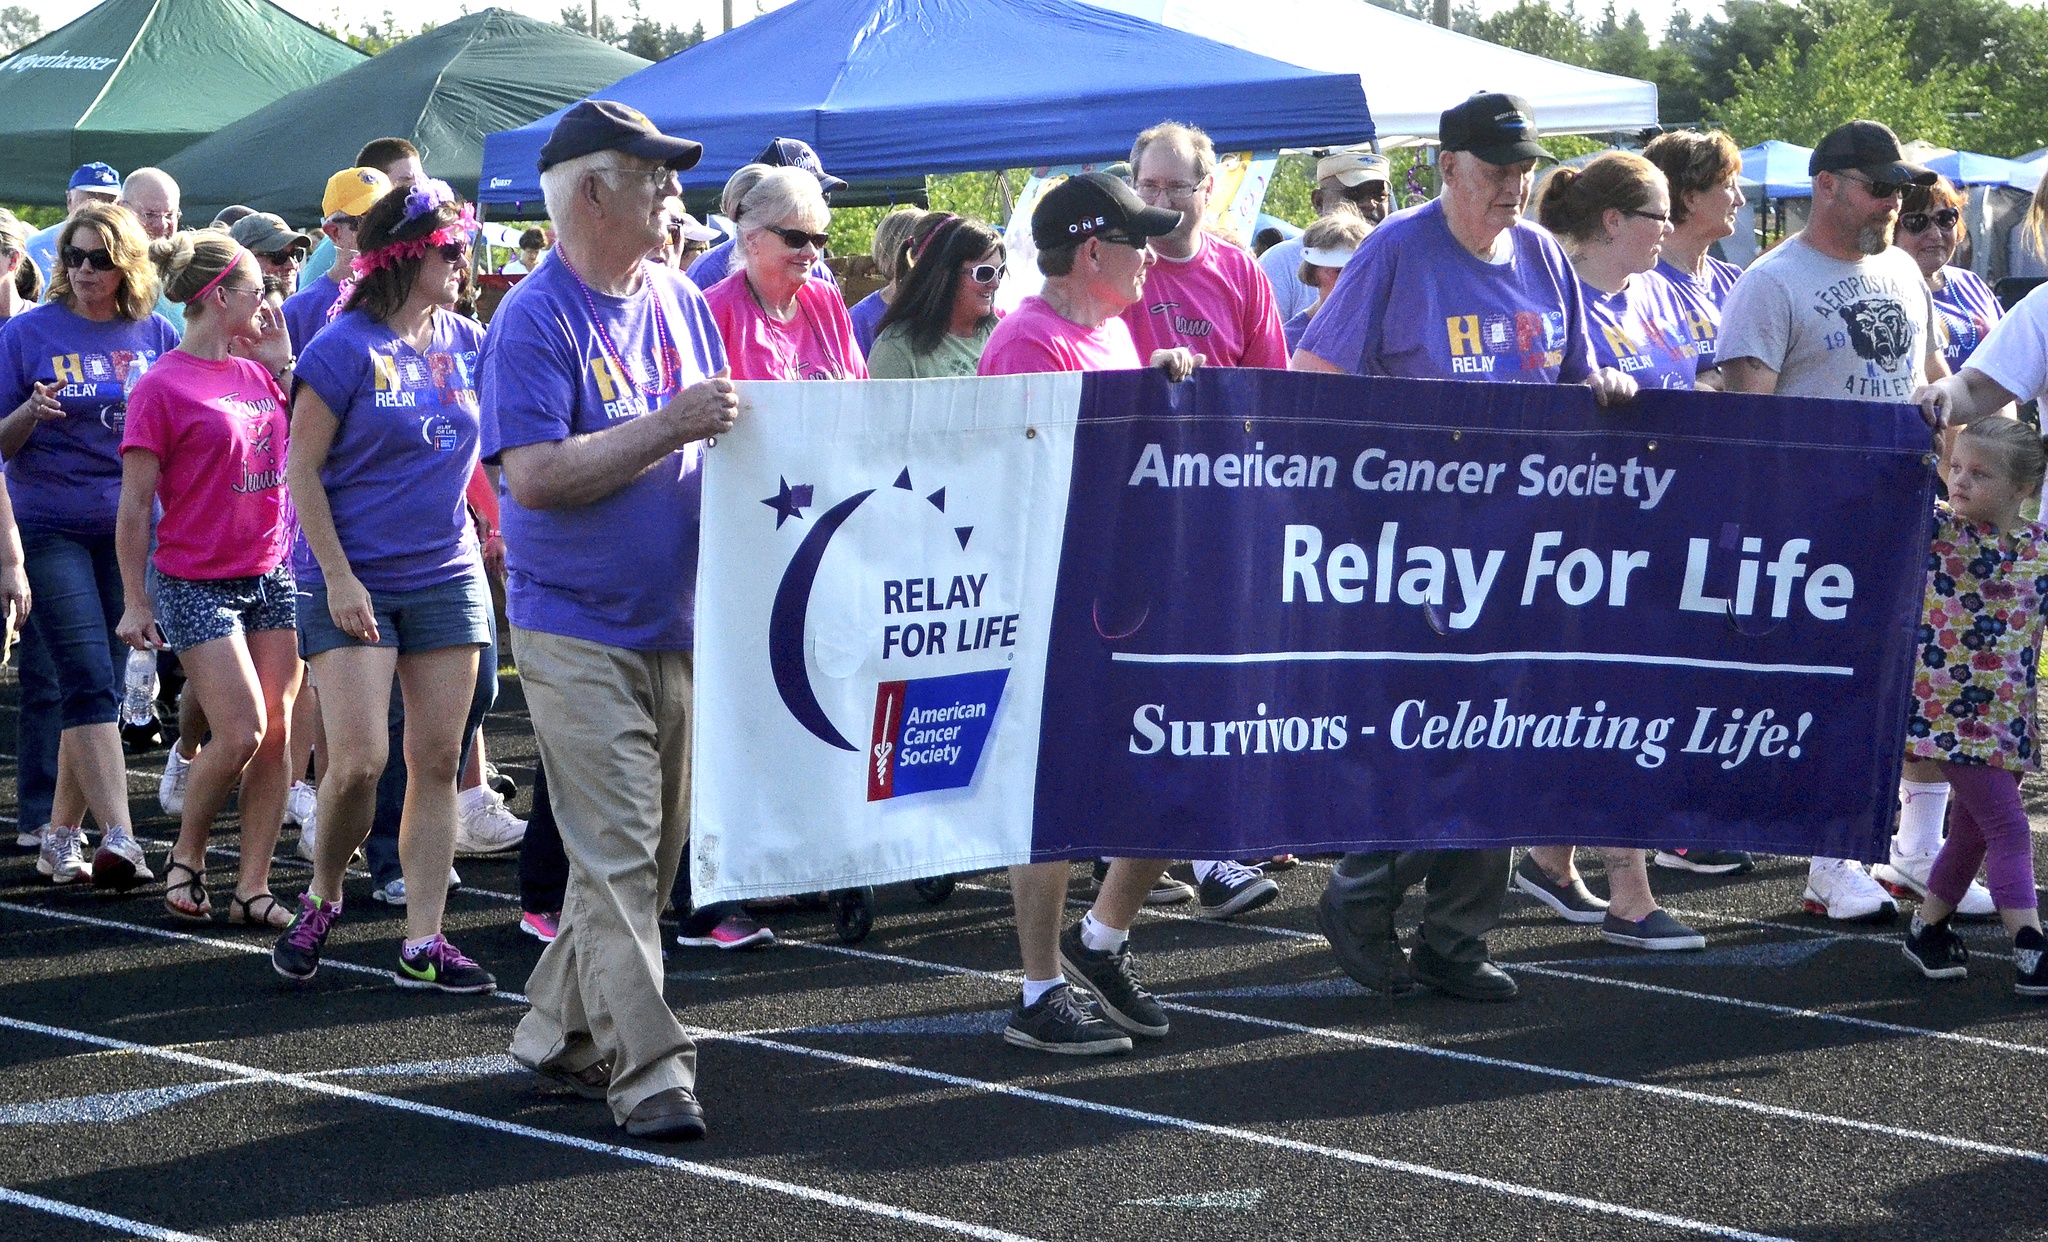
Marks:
<point>1986,824</point>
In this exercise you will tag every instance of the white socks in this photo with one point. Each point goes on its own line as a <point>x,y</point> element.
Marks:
<point>1922,806</point>
<point>483,795</point>
<point>1101,937</point>
<point>1035,988</point>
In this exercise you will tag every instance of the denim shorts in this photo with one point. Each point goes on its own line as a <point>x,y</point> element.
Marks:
<point>456,613</point>
<point>191,611</point>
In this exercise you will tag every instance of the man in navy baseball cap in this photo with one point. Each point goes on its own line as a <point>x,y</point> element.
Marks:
<point>92,183</point>
<point>607,125</point>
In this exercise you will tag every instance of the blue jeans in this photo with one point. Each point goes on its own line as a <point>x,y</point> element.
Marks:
<point>76,581</point>
<point>37,728</point>
<point>381,850</point>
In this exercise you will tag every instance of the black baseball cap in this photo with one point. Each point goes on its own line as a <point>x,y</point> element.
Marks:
<point>1870,148</point>
<point>1094,204</point>
<point>796,153</point>
<point>1497,128</point>
<point>606,125</point>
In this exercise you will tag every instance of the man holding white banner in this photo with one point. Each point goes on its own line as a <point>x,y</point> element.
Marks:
<point>1093,237</point>
<point>601,374</point>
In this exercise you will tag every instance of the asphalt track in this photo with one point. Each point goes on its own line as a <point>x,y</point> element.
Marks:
<point>1795,1080</point>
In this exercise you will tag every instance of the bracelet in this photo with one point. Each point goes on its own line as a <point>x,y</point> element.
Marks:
<point>289,363</point>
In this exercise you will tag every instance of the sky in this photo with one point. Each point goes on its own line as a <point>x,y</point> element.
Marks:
<point>682,13</point>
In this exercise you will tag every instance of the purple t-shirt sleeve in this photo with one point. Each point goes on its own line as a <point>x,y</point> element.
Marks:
<point>1346,331</point>
<point>527,368</point>
<point>334,366</point>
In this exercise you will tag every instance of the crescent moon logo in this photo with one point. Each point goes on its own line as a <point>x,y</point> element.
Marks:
<point>786,624</point>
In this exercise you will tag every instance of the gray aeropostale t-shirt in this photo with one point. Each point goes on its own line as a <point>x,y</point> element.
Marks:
<point>1832,328</point>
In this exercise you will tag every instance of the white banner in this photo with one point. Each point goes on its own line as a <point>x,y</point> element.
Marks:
<point>874,593</point>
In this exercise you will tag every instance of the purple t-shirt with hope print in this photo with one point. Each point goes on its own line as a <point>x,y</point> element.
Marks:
<point>1701,298</point>
<point>404,451</point>
<point>1640,330</point>
<point>1414,302</point>
<point>621,571</point>
<point>67,476</point>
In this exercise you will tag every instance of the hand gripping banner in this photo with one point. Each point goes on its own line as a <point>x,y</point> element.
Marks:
<point>949,625</point>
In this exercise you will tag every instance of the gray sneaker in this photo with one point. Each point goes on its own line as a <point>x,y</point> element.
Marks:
<point>1113,977</point>
<point>1060,1023</point>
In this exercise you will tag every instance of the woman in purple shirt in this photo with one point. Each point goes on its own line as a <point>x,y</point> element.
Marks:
<point>384,440</point>
<point>1701,169</point>
<point>1930,228</point>
<point>65,370</point>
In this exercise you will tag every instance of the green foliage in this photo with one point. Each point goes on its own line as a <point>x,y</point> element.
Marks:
<point>644,37</point>
<point>980,195</point>
<point>19,27</point>
<point>373,37</point>
<point>38,218</point>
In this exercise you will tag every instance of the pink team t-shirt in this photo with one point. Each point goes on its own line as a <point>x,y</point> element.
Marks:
<point>1218,304</point>
<point>1035,338</point>
<point>817,344</point>
<point>218,431</point>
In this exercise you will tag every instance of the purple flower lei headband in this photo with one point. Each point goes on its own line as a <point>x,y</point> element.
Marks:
<point>423,198</point>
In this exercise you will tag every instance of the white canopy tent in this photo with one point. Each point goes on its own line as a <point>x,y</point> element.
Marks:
<point>1412,70</point>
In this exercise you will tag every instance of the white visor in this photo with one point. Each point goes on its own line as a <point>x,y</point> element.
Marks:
<point>1326,258</point>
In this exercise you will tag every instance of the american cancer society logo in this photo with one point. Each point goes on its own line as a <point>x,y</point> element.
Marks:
<point>920,602</point>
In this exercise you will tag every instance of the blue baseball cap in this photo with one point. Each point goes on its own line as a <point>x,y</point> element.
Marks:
<point>796,153</point>
<point>606,125</point>
<point>96,176</point>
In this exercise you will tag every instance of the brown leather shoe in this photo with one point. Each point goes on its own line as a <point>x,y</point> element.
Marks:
<point>673,1114</point>
<point>591,1082</point>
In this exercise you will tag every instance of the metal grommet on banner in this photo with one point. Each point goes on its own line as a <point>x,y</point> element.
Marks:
<point>1653,446</point>
<point>1031,433</point>
<point>1926,459</point>
<point>1457,435</point>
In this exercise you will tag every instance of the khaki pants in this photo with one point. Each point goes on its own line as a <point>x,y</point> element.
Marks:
<point>614,732</point>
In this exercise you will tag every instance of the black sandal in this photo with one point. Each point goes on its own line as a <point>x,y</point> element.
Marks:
<point>242,910</point>
<point>193,891</point>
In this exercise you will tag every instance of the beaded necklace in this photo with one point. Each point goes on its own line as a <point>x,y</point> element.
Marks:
<point>666,381</point>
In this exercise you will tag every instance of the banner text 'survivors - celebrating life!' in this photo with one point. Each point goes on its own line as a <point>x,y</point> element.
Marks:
<point>949,625</point>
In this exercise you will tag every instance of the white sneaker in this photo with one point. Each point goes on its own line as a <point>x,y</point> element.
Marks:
<point>170,791</point>
<point>393,894</point>
<point>119,863</point>
<point>62,856</point>
<point>299,804</point>
<point>309,827</point>
<point>484,825</point>
<point>30,838</point>
<point>1841,890</point>
<point>1906,876</point>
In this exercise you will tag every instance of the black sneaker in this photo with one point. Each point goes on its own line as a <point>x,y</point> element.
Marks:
<point>296,955</point>
<point>1937,950</point>
<point>1167,890</point>
<point>438,964</point>
<point>2030,955</point>
<point>1113,978</point>
<point>1060,1023</point>
<point>1233,889</point>
<point>1707,862</point>
<point>1572,902</point>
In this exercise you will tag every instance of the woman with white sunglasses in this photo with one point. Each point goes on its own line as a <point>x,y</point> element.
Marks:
<point>942,317</point>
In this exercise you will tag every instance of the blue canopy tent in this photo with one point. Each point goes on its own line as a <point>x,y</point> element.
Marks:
<point>894,88</point>
<point>1970,168</point>
<point>1780,168</point>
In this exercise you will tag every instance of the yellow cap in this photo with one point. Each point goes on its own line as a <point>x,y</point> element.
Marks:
<point>351,191</point>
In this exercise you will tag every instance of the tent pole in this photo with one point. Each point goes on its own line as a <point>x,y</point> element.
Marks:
<point>728,16</point>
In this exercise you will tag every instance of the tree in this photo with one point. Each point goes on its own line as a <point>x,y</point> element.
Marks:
<point>19,27</point>
<point>1533,26</point>
<point>374,37</point>
<point>645,37</point>
<point>1856,68</point>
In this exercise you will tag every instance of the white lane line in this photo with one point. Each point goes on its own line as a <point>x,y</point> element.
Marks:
<point>92,1216</point>
<point>1427,1171</point>
<point>694,1168</point>
<point>1502,1063</point>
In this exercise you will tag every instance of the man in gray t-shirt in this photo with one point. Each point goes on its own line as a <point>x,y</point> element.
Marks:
<point>1836,312</point>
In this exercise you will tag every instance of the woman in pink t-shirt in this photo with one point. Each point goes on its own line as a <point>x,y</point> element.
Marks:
<point>777,322</point>
<point>206,437</point>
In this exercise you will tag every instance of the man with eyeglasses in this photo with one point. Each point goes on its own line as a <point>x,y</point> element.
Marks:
<point>151,196</point>
<point>1355,179</point>
<point>1203,294</point>
<point>348,195</point>
<point>279,248</point>
<point>1836,311</point>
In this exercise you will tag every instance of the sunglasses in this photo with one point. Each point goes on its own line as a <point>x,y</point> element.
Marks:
<point>1125,239</point>
<point>1917,221</point>
<point>100,260</point>
<point>797,239</point>
<point>1878,189</point>
<point>988,273</point>
<point>453,252</point>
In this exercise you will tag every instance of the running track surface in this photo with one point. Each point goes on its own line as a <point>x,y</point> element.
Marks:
<point>1793,1081</point>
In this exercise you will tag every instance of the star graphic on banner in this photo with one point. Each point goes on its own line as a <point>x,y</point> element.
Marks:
<point>790,502</point>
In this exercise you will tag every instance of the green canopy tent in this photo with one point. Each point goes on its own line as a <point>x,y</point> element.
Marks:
<point>133,82</point>
<point>443,90</point>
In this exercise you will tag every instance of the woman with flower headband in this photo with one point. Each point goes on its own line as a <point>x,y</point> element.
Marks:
<point>777,322</point>
<point>384,438</point>
<point>205,436</point>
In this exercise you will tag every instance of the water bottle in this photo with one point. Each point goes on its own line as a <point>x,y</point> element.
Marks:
<point>138,703</point>
<point>137,367</point>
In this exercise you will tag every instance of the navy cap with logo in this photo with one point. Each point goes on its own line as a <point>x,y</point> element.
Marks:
<point>96,176</point>
<point>606,125</point>
<point>1870,148</point>
<point>1497,128</point>
<point>796,153</point>
<point>1096,204</point>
